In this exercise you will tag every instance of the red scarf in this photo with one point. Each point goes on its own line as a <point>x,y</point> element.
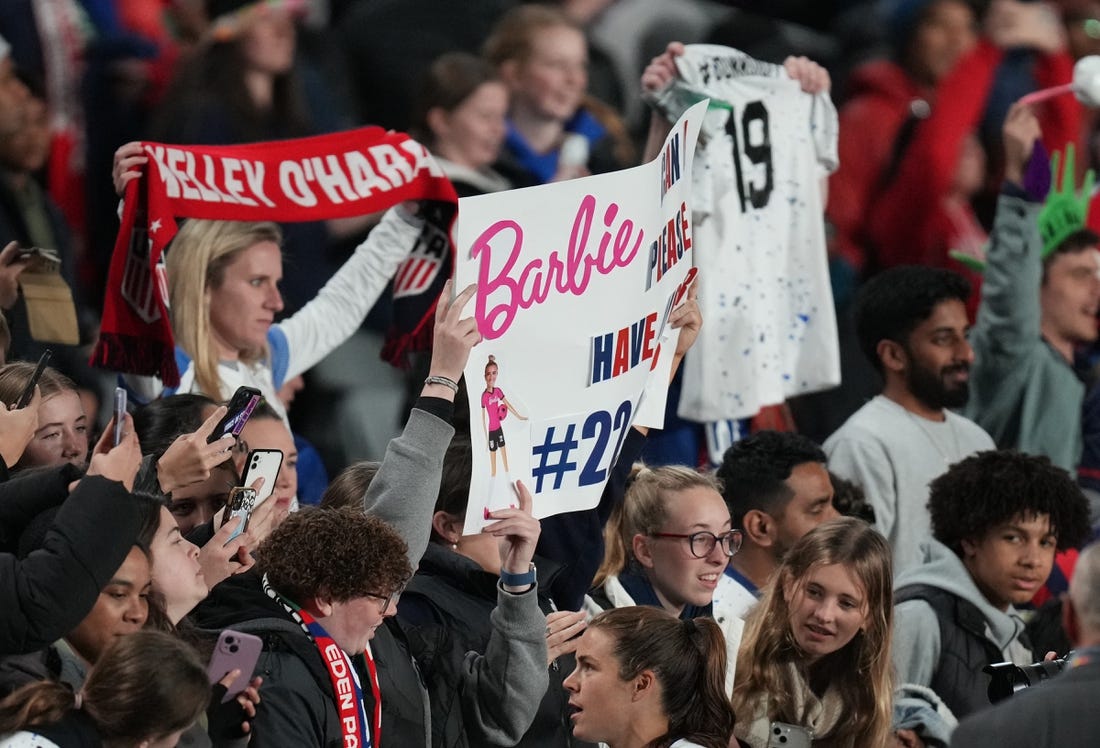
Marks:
<point>346,691</point>
<point>309,179</point>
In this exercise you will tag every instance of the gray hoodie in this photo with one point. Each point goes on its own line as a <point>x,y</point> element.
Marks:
<point>916,647</point>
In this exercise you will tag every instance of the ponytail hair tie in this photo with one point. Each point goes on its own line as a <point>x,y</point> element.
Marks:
<point>78,700</point>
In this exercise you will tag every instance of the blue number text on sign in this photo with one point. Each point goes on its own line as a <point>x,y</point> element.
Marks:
<point>552,456</point>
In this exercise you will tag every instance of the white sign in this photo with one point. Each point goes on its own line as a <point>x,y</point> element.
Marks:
<point>576,281</point>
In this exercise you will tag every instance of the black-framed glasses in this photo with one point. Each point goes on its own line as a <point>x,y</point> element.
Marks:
<point>702,543</point>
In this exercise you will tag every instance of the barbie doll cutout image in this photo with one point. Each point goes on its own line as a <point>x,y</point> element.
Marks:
<point>494,409</point>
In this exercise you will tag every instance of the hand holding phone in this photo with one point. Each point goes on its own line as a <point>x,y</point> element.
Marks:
<point>17,427</point>
<point>120,413</point>
<point>234,650</point>
<point>242,500</point>
<point>262,463</point>
<point>241,405</point>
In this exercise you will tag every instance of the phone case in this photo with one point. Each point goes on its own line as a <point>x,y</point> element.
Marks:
<point>241,503</point>
<point>240,407</point>
<point>234,651</point>
<point>262,463</point>
<point>783,735</point>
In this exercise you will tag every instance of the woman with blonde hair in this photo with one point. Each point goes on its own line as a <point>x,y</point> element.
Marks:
<point>647,680</point>
<point>146,689</point>
<point>223,285</point>
<point>667,546</point>
<point>62,432</point>
<point>816,650</point>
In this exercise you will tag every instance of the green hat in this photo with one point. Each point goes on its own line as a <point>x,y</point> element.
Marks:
<point>1064,211</point>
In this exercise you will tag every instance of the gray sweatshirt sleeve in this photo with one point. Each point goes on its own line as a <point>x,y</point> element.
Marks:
<point>1009,315</point>
<point>502,689</point>
<point>404,491</point>
<point>916,643</point>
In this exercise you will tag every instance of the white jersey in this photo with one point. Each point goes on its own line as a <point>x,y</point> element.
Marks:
<point>758,236</point>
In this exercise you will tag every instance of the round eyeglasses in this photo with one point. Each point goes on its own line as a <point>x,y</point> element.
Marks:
<point>702,543</point>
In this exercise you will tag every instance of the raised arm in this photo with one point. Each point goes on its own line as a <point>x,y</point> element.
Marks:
<point>404,491</point>
<point>1009,315</point>
<point>46,594</point>
<point>502,688</point>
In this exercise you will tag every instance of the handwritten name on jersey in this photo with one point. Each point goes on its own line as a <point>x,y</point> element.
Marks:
<point>723,67</point>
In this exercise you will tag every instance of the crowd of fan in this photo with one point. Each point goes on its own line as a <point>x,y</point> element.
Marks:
<point>846,583</point>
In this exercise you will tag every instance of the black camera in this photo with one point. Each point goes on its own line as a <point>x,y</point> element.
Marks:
<point>1007,678</point>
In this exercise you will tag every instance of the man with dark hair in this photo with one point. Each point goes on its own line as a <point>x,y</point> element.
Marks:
<point>912,326</point>
<point>997,519</point>
<point>1062,712</point>
<point>1039,301</point>
<point>777,490</point>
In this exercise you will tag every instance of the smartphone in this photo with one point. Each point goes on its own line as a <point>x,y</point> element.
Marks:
<point>262,463</point>
<point>240,406</point>
<point>27,394</point>
<point>783,735</point>
<point>242,501</point>
<point>234,651</point>
<point>120,413</point>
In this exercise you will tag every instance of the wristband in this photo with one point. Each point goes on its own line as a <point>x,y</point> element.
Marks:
<point>450,384</point>
<point>527,578</point>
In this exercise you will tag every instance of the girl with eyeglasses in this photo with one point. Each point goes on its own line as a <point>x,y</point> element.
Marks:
<point>816,651</point>
<point>667,546</point>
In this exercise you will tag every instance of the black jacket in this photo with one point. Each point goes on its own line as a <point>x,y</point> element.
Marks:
<point>241,604</point>
<point>297,707</point>
<point>45,595</point>
<point>964,649</point>
<point>446,608</point>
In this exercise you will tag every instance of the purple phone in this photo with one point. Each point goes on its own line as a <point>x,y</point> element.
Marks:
<point>234,651</point>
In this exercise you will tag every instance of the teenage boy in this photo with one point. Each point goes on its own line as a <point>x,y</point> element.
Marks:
<point>1062,712</point>
<point>913,327</point>
<point>777,490</point>
<point>997,519</point>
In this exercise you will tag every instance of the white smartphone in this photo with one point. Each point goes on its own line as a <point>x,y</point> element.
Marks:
<point>783,735</point>
<point>262,463</point>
